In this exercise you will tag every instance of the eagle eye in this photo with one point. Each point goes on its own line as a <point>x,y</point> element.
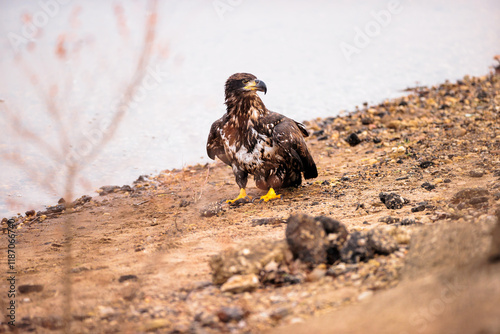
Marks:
<point>245,82</point>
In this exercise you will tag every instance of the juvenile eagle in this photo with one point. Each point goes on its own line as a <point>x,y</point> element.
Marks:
<point>253,140</point>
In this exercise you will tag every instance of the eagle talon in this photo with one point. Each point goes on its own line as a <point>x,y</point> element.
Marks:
<point>242,198</point>
<point>271,194</point>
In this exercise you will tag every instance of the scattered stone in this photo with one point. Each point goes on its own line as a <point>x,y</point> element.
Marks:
<point>155,324</point>
<point>82,200</point>
<point>206,319</point>
<point>476,173</point>
<point>29,288</point>
<point>51,322</point>
<point>105,190</point>
<point>280,313</point>
<point>184,203</point>
<point>51,210</point>
<point>268,221</point>
<point>428,186</point>
<point>79,270</point>
<point>126,188</point>
<point>389,220</point>
<point>30,213</point>
<point>418,208</point>
<point>211,210</point>
<point>124,278</point>
<point>106,312</point>
<point>318,273</point>
<point>240,283</point>
<point>228,314</point>
<point>353,139</point>
<point>365,295</point>
<point>382,242</point>
<point>407,221</point>
<point>246,259</point>
<point>392,200</point>
<point>426,164</point>
<point>337,270</point>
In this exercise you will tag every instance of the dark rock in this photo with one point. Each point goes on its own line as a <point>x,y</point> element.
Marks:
<point>318,133</point>
<point>30,213</point>
<point>141,178</point>
<point>426,164</point>
<point>124,278</point>
<point>418,208</point>
<point>366,120</point>
<point>389,220</point>
<point>228,314</point>
<point>53,210</point>
<point>336,237</point>
<point>126,188</point>
<point>377,140</point>
<point>476,173</point>
<point>306,239</point>
<point>28,288</point>
<point>105,190</point>
<point>477,197</point>
<point>356,248</point>
<point>478,200</point>
<point>61,201</point>
<point>392,200</point>
<point>428,186</point>
<point>82,200</point>
<point>407,221</point>
<point>353,139</point>
<point>184,203</point>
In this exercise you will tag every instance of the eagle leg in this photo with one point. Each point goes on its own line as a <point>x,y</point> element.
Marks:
<point>242,194</point>
<point>271,194</point>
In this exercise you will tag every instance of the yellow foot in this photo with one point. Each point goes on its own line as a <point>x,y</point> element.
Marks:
<point>242,194</point>
<point>270,195</point>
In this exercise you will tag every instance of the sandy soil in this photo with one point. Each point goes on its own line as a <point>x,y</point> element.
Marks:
<point>140,254</point>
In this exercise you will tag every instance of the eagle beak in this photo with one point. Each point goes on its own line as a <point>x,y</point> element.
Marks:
<point>256,85</point>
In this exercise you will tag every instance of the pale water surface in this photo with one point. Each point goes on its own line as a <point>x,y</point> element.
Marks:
<point>296,47</point>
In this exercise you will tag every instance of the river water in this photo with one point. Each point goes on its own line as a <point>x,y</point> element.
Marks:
<point>317,59</point>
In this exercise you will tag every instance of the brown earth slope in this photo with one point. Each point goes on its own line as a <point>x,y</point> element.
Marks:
<point>141,253</point>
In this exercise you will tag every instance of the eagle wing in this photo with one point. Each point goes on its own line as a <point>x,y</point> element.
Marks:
<point>289,135</point>
<point>215,146</point>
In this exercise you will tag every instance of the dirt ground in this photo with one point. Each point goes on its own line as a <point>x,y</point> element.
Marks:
<point>140,254</point>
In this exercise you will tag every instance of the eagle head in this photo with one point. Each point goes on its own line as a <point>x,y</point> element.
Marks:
<point>243,84</point>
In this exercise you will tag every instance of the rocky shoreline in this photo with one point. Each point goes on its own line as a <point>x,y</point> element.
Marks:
<point>408,195</point>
